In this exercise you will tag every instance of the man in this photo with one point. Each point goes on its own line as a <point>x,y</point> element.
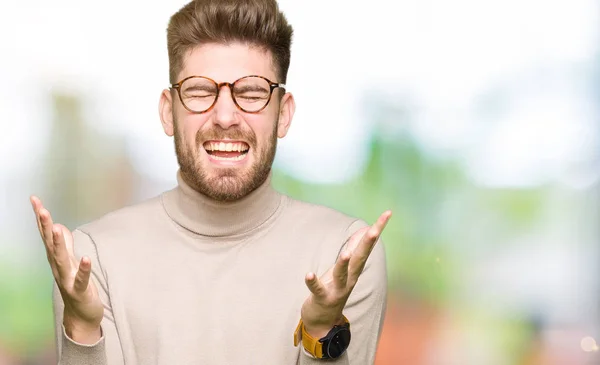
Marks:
<point>212,271</point>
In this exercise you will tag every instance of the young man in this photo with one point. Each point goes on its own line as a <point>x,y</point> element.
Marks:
<point>222,269</point>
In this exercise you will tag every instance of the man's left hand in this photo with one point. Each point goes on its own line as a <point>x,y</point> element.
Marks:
<point>323,308</point>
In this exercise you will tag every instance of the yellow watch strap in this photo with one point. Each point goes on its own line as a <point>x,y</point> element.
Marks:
<point>311,344</point>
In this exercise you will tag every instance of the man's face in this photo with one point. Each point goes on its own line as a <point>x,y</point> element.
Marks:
<point>226,153</point>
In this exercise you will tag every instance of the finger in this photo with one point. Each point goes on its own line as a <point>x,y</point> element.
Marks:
<point>62,260</point>
<point>82,278</point>
<point>371,236</point>
<point>68,237</point>
<point>355,239</point>
<point>364,248</point>
<point>46,231</point>
<point>340,270</point>
<point>36,205</point>
<point>314,285</point>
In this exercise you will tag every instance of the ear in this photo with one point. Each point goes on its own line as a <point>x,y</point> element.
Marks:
<point>287,107</point>
<point>165,111</point>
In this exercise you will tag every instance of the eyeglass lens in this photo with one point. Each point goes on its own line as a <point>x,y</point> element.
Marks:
<point>250,93</point>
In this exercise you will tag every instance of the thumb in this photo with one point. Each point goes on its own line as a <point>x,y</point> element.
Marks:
<point>314,284</point>
<point>82,278</point>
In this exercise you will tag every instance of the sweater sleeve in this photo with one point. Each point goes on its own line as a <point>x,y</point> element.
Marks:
<point>365,310</point>
<point>108,349</point>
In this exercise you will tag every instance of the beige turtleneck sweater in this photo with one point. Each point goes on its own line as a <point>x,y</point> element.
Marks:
<point>186,280</point>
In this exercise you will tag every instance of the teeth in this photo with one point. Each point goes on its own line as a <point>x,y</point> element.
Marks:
<point>238,158</point>
<point>226,147</point>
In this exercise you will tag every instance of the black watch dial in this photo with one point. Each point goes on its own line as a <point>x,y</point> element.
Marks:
<point>338,343</point>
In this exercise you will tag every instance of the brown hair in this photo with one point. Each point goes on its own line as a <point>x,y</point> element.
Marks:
<point>255,22</point>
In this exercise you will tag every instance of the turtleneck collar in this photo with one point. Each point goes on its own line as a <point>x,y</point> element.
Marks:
<point>207,217</point>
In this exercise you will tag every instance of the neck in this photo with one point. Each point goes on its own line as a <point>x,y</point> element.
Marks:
<point>208,217</point>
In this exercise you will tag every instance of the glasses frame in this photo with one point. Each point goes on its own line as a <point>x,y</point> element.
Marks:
<point>230,85</point>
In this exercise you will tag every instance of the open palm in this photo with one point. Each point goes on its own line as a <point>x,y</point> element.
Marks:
<point>83,307</point>
<point>329,294</point>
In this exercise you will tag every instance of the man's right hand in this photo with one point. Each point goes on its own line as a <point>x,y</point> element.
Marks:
<point>83,308</point>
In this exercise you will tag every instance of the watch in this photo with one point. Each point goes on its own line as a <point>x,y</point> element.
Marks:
<point>332,346</point>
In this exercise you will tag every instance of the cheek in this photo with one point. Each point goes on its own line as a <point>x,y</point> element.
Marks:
<point>263,128</point>
<point>188,128</point>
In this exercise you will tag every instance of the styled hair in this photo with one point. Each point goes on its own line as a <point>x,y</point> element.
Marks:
<point>254,22</point>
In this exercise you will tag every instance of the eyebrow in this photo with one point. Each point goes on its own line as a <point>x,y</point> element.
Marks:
<point>249,88</point>
<point>200,87</point>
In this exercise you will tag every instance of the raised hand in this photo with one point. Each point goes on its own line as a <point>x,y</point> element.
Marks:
<point>83,308</point>
<point>329,294</point>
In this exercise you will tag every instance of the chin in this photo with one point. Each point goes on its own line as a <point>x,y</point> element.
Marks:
<point>226,184</point>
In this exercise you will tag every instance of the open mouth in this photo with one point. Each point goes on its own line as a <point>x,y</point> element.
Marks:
<point>227,151</point>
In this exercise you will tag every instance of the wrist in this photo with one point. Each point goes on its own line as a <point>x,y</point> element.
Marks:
<point>80,331</point>
<point>320,330</point>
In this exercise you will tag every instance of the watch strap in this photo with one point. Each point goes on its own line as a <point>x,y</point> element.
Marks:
<point>312,345</point>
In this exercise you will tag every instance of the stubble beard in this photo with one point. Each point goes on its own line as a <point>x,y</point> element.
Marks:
<point>229,184</point>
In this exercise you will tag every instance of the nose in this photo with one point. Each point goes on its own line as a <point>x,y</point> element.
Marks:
<point>225,109</point>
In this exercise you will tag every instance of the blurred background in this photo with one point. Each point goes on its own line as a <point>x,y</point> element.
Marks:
<point>476,122</point>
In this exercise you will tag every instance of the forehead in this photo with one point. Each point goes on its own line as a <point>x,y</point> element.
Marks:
<point>228,62</point>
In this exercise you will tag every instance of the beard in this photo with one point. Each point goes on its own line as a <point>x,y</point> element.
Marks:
<point>228,184</point>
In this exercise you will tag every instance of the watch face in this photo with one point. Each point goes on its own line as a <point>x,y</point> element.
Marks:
<point>339,343</point>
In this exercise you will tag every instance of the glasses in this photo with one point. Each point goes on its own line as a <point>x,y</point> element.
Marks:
<point>250,94</point>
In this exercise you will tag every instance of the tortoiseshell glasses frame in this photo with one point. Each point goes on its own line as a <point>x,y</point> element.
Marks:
<point>231,85</point>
